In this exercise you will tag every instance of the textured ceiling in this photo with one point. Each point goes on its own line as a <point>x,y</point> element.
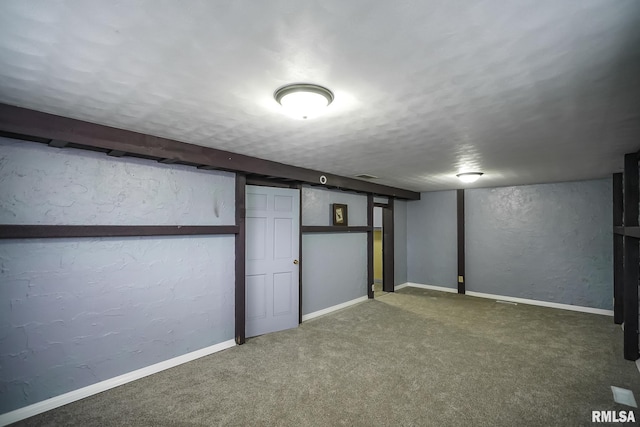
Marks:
<point>525,91</point>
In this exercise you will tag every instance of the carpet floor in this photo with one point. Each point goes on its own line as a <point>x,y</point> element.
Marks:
<point>411,358</point>
<point>377,290</point>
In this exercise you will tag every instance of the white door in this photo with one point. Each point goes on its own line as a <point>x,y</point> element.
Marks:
<point>272,282</point>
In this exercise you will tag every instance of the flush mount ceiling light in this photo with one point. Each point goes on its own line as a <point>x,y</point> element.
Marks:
<point>303,100</point>
<point>469,177</point>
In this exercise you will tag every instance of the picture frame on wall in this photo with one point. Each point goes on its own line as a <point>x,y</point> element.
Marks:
<point>340,214</point>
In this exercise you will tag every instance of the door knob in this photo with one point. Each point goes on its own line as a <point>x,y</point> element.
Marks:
<point>296,262</point>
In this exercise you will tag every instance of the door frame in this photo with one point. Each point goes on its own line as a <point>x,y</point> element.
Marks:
<point>295,185</point>
<point>388,250</point>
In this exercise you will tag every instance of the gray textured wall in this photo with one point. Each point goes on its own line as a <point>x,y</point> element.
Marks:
<point>400,242</point>
<point>334,265</point>
<point>548,242</point>
<point>431,239</point>
<point>334,269</point>
<point>42,185</point>
<point>74,312</point>
<point>316,206</point>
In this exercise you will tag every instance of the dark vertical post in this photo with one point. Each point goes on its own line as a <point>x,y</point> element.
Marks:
<point>370,246</point>
<point>461,261</point>
<point>618,249</point>
<point>299,187</point>
<point>631,267</point>
<point>388,249</point>
<point>241,181</point>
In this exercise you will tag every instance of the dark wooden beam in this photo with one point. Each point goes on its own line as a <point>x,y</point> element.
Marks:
<point>300,264</point>
<point>240,259</point>
<point>630,187</point>
<point>460,233</point>
<point>272,183</point>
<point>10,231</point>
<point>631,257</point>
<point>37,124</point>
<point>370,275</point>
<point>335,229</point>
<point>241,214</point>
<point>627,231</point>
<point>12,135</point>
<point>56,143</point>
<point>388,271</point>
<point>618,250</point>
<point>167,161</point>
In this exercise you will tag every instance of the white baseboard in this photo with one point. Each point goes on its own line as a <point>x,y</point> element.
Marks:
<point>570,307</point>
<point>398,287</point>
<point>327,310</point>
<point>513,299</point>
<point>81,393</point>
<point>432,287</point>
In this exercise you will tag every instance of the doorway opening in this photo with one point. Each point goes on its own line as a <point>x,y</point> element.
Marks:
<point>383,248</point>
<point>377,252</point>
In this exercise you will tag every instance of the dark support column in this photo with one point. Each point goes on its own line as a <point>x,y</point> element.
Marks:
<point>461,261</point>
<point>241,181</point>
<point>388,249</point>
<point>370,278</point>
<point>631,268</point>
<point>299,187</point>
<point>618,249</point>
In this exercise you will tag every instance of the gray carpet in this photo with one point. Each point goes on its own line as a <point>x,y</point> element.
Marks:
<point>413,358</point>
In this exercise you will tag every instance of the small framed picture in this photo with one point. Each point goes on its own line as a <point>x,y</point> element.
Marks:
<point>340,214</point>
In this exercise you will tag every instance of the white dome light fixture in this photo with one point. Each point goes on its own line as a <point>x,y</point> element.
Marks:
<point>469,177</point>
<point>303,100</point>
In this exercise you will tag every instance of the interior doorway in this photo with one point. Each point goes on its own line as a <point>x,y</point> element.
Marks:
<point>383,248</point>
<point>377,251</point>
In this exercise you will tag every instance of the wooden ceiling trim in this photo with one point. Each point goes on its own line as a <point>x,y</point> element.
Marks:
<point>16,120</point>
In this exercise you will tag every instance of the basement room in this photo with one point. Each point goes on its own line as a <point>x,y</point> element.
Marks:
<point>319,213</point>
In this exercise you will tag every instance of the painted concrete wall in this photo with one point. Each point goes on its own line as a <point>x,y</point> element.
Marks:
<point>334,269</point>
<point>77,312</point>
<point>42,185</point>
<point>74,312</point>
<point>316,206</point>
<point>400,243</point>
<point>548,242</point>
<point>334,265</point>
<point>431,239</point>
